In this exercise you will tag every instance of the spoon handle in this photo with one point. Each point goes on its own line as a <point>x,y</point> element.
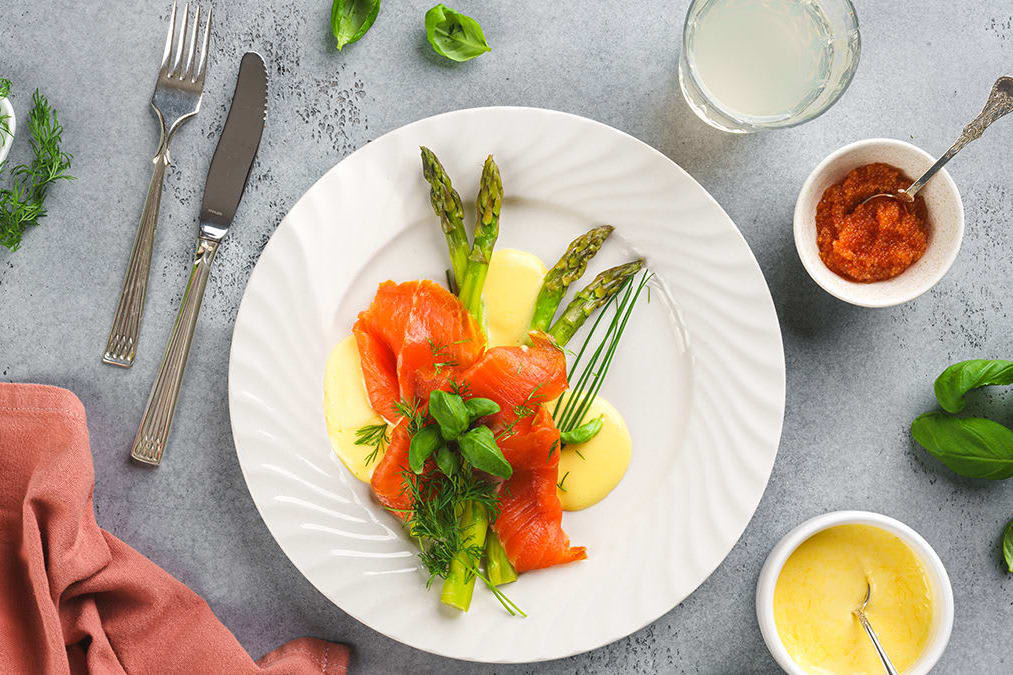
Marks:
<point>875,642</point>
<point>1000,102</point>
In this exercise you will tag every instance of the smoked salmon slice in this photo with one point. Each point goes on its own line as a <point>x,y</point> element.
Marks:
<point>412,339</point>
<point>416,337</point>
<point>520,380</point>
<point>388,477</point>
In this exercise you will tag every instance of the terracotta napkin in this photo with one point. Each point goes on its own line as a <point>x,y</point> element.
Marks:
<point>74,598</point>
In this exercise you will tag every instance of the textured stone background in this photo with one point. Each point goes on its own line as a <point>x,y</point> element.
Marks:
<point>856,377</point>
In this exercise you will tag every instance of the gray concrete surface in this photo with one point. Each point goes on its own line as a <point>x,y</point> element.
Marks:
<point>856,377</point>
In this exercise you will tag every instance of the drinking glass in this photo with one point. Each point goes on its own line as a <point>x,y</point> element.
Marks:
<point>749,65</point>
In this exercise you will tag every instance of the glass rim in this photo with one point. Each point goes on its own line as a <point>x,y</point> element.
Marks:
<point>847,76</point>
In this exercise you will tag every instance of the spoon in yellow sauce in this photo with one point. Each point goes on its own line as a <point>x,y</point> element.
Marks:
<point>864,620</point>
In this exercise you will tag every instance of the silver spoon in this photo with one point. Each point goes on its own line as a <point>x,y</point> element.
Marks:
<point>862,619</point>
<point>1000,102</point>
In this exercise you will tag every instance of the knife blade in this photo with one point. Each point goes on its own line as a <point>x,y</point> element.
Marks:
<point>233,158</point>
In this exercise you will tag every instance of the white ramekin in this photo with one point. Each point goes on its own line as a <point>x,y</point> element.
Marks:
<point>942,593</point>
<point>6,141</point>
<point>945,216</point>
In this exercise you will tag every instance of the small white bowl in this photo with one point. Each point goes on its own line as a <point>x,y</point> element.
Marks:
<point>6,141</point>
<point>945,216</point>
<point>939,580</point>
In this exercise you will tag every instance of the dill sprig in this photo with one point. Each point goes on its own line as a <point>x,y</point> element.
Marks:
<point>526,408</point>
<point>586,385</point>
<point>411,411</point>
<point>441,359</point>
<point>5,125</point>
<point>374,435</point>
<point>21,205</point>
<point>436,501</point>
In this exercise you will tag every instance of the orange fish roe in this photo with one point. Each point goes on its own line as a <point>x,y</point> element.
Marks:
<point>874,241</point>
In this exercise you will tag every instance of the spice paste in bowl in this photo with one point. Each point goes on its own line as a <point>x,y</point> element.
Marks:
<point>872,241</point>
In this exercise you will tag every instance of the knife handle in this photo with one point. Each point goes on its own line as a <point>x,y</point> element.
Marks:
<point>153,434</point>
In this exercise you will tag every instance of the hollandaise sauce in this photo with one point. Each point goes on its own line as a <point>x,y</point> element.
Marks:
<point>825,579</point>
<point>346,408</point>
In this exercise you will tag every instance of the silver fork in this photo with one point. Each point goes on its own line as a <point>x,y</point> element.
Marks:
<point>178,91</point>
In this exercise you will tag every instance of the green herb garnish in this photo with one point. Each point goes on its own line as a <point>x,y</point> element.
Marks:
<point>350,19</point>
<point>454,35</point>
<point>971,446</point>
<point>5,128</point>
<point>21,205</point>
<point>561,481</point>
<point>1007,546</point>
<point>374,435</point>
<point>585,385</point>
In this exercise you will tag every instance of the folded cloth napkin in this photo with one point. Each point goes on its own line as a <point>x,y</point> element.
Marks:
<point>74,598</point>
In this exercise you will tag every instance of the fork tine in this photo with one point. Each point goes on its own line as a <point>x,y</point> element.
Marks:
<point>177,60</point>
<point>192,43</point>
<point>202,66</point>
<point>168,38</point>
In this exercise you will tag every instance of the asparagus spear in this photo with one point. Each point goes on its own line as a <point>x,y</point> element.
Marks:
<point>490,197</point>
<point>497,565</point>
<point>460,583</point>
<point>590,298</point>
<point>569,268</point>
<point>447,205</point>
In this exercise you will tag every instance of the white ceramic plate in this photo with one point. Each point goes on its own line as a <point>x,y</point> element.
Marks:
<point>699,378</point>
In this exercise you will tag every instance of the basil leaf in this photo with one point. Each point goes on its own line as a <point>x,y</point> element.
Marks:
<point>971,446</point>
<point>447,460</point>
<point>449,412</point>
<point>962,377</point>
<point>454,35</point>
<point>1007,546</point>
<point>350,19</point>
<point>423,444</point>
<point>480,407</point>
<point>479,447</point>
<point>583,433</point>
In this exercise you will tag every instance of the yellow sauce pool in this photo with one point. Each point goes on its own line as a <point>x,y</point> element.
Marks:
<point>511,287</point>
<point>824,580</point>
<point>346,408</point>
<point>589,471</point>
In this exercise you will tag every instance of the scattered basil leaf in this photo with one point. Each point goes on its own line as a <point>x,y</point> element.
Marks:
<point>423,444</point>
<point>454,35</point>
<point>1007,546</point>
<point>583,433</point>
<point>450,413</point>
<point>971,446</point>
<point>480,407</point>
<point>962,377</point>
<point>479,447</point>
<point>446,460</point>
<point>350,19</point>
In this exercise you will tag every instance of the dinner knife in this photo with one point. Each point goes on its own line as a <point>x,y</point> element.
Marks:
<point>226,181</point>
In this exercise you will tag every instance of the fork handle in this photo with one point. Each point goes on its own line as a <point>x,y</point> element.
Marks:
<point>122,343</point>
<point>157,419</point>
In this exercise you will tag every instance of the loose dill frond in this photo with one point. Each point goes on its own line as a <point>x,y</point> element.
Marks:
<point>561,481</point>
<point>588,382</point>
<point>526,408</point>
<point>462,389</point>
<point>22,204</point>
<point>375,436</point>
<point>411,411</point>
<point>442,359</point>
